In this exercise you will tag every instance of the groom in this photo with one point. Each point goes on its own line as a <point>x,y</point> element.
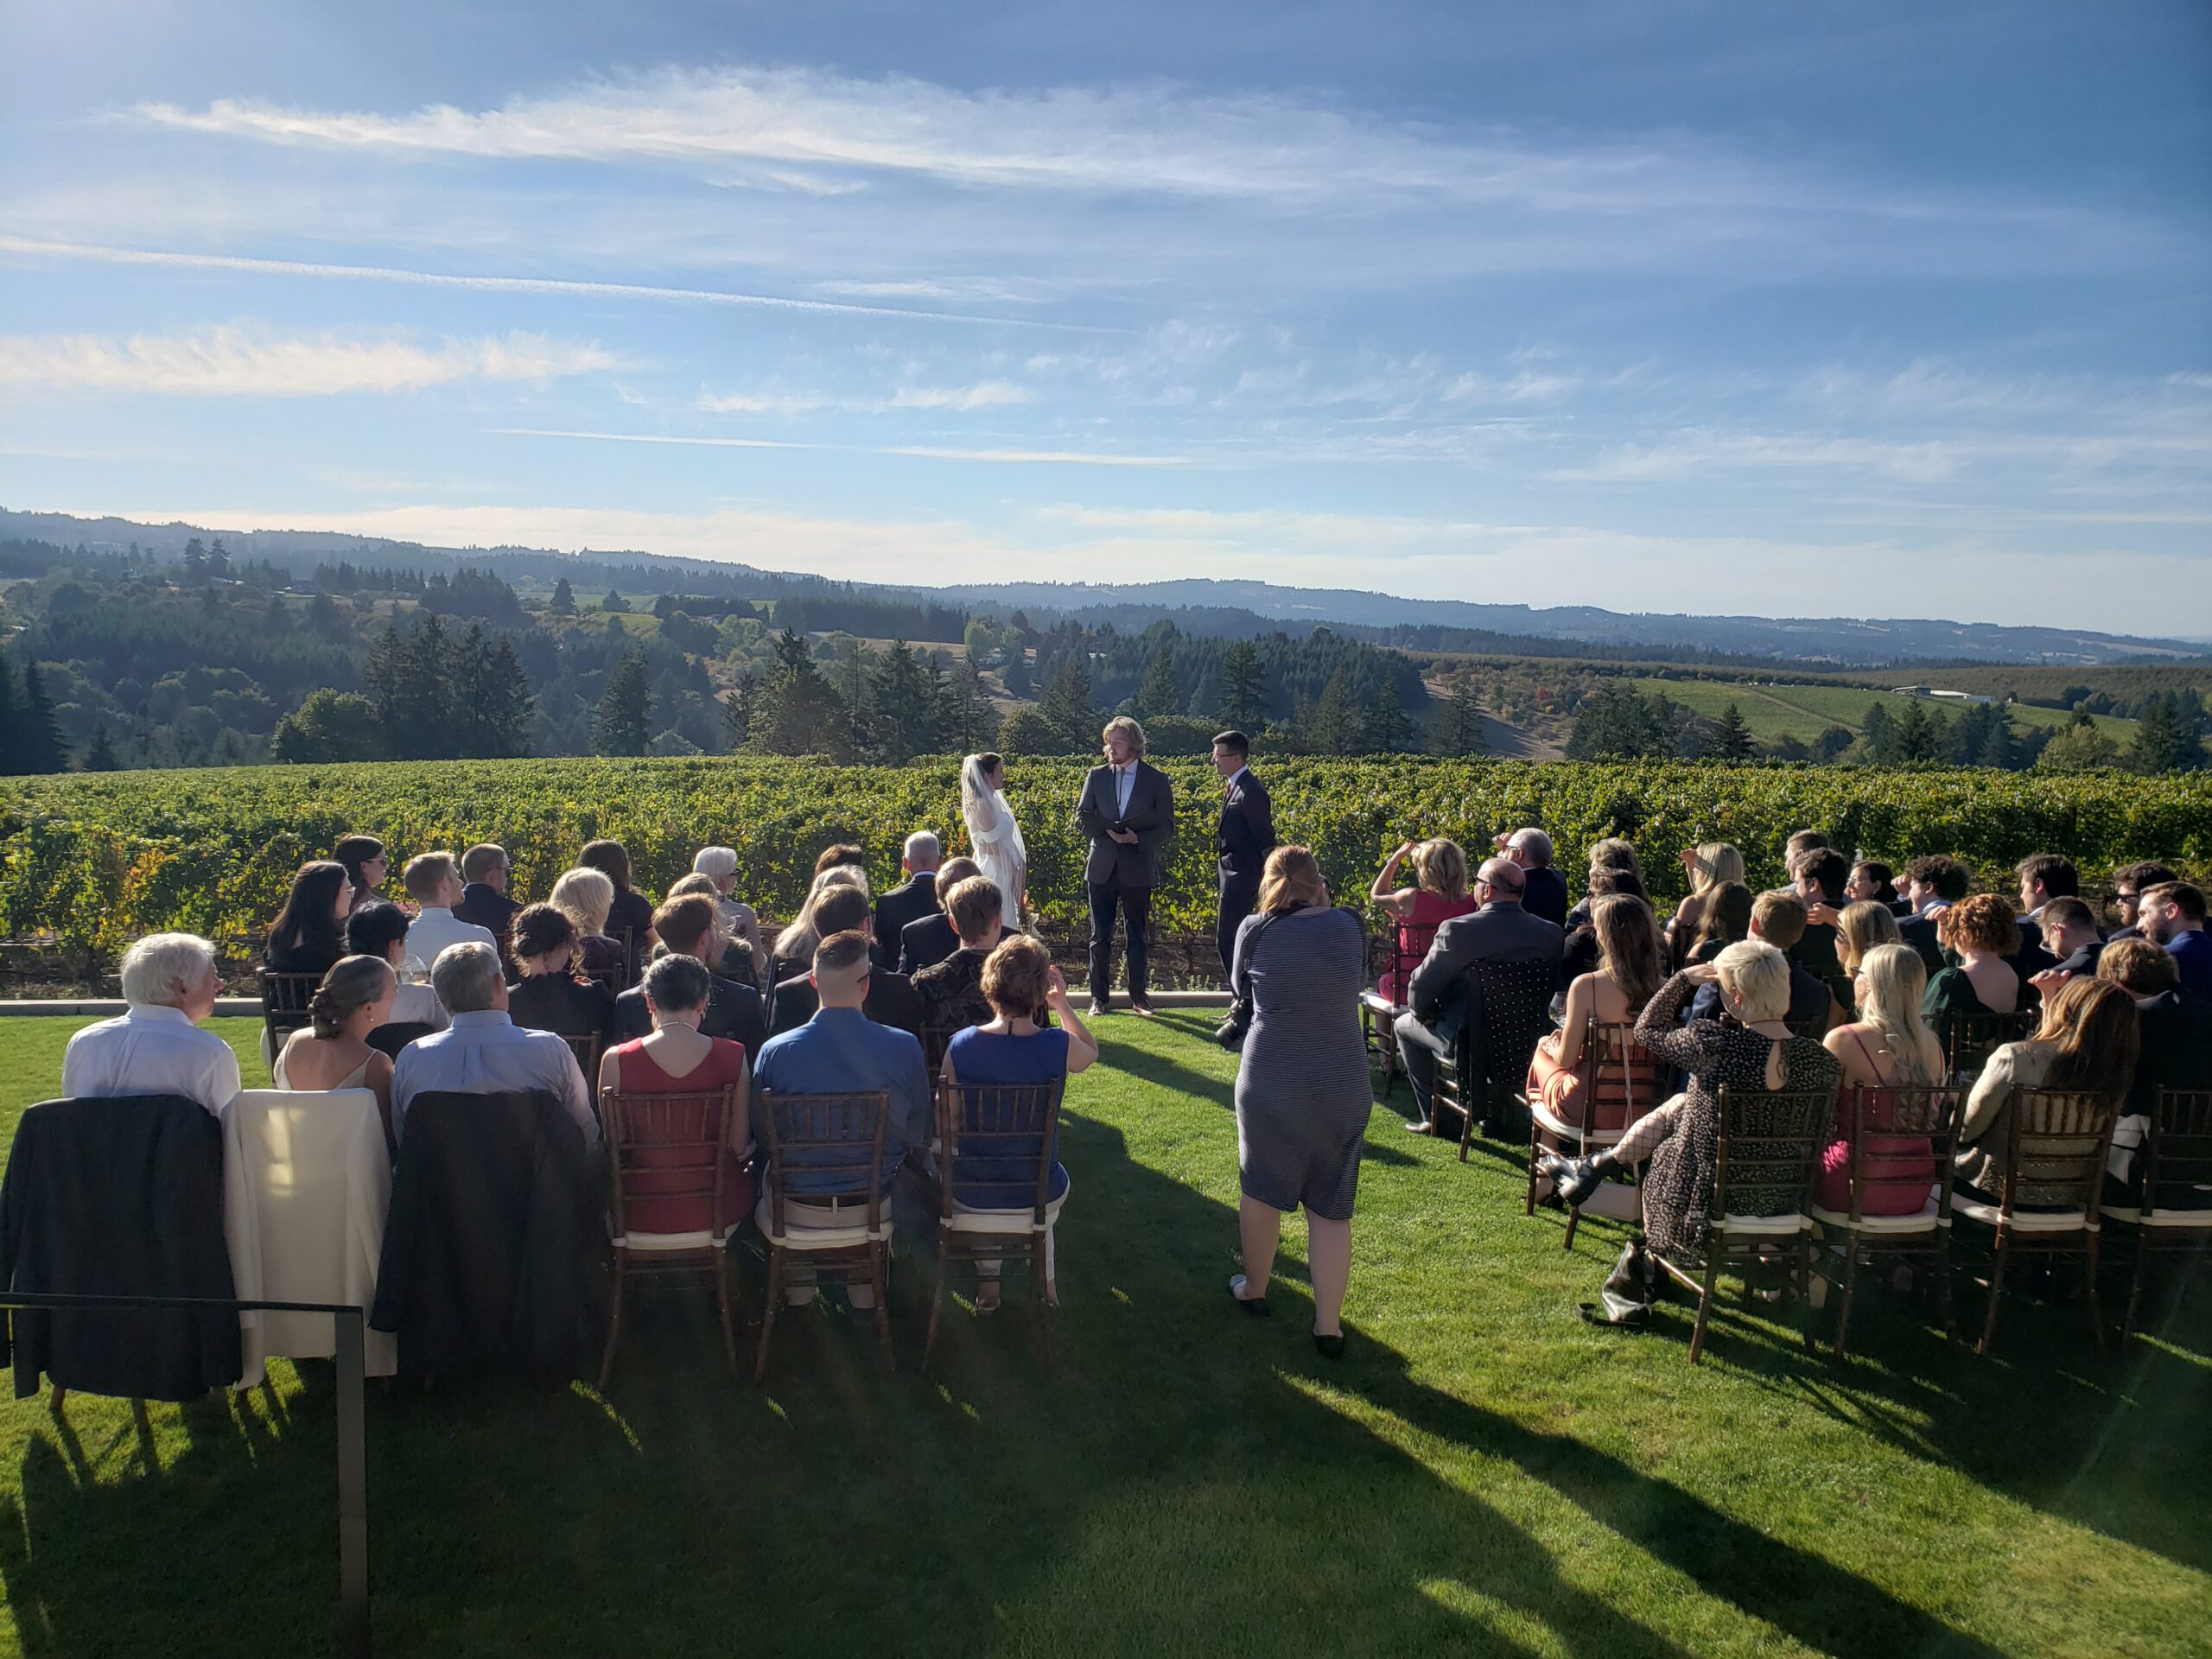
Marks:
<point>1128,809</point>
<point>1246,836</point>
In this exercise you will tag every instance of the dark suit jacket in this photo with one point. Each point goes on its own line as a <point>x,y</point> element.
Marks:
<point>733,1011</point>
<point>1919,932</point>
<point>488,909</point>
<point>1151,814</point>
<point>1544,894</point>
<point>910,901</point>
<point>2032,958</point>
<point>2176,1032</point>
<point>1246,834</point>
<point>925,943</point>
<point>890,1002</point>
<point>1494,933</point>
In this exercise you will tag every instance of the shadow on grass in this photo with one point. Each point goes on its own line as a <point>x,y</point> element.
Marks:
<point>1178,1481</point>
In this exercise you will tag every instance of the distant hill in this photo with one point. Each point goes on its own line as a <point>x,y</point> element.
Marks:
<point>1210,607</point>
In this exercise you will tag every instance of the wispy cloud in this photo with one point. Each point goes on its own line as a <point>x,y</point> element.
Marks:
<point>245,361</point>
<point>982,394</point>
<point>927,452</point>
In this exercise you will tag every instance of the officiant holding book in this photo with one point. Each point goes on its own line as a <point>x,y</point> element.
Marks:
<point>1127,811</point>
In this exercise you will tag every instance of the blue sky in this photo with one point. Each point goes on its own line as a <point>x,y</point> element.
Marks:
<point>1863,310</point>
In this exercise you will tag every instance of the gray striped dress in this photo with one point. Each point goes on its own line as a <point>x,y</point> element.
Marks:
<point>1303,1093</point>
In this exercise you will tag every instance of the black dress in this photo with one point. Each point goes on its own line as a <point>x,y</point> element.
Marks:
<point>565,1006</point>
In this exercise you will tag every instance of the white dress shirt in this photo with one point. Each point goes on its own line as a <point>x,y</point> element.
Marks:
<point>418,1004</point>
<point>435,929</point>
<point>1125,779</point>
<point>151,1050</point>
<point>486,1053</point>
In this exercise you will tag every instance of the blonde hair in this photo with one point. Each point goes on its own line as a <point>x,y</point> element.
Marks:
<point>1759,975</point>
<point>1717,862</point>
<point>1441,867</point>
<point>797,940</point>
<point>426,872</point>
<point>1895,981</point>
<point>1292,878</point>
<point>1859,928</point>
<point>1129,730</point>
<point>584,896</point>
<point>699,885</point>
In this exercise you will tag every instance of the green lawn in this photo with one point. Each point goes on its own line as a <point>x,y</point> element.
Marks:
<point>1481,1474</point>
<point>1804,711</point>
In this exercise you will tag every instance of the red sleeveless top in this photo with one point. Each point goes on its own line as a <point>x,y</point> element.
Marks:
<point>647,1205</point>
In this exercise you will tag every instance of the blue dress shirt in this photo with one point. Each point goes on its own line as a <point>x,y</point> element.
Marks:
<point>843,1052</point>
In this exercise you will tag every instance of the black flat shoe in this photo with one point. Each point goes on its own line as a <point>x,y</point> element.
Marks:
<point>1143,1008</point>
<point>1329,1347</point>
<point>1572,1179</point>
<point>1255,1306</point>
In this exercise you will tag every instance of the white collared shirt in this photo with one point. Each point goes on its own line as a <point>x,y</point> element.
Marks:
<point>151,1050</point>
<point>435,929</point>
<point>1125,779</point>
<point>488,1053</point>
<point>1228,784</point>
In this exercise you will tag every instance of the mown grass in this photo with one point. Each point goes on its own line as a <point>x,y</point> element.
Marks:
<point>1804,711</point>
<point>1481,1474</point>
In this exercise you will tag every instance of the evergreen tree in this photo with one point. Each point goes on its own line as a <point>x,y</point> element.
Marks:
<point>1875,729</point>
<point>1067,705</point>
<point>738,708</point>
<point>11,758</point>
<point>384,674</point>
<point>1997,748</point>
<point>614,601</point>
<point>329,726</point>
<point>1244,687</point>
<point>195,561</point>
<point>622,724</point>
<point>1916,735</point>
<point>1732,738</point>
<point>1159,692</point>
<point>2079,747</point>
<point>903,723</point>
<point>2164,742</point>
<point>425,728</point>
<point>491,701</point>
<point>101,756</point>
<point>968,721</point>
<point>797,711</point>
<point>1015,675</point>
<point>564,599</point>
<point>1457,728</point>
<point>1387,729</point>
<point>1335,725</point>
<point>38,734</point>
<point>1618,724</point>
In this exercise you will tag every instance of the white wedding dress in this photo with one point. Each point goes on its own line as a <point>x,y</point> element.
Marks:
<point>999,851</point>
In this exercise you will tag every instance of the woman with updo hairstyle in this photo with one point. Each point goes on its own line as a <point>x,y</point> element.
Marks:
<point>1982,931</point>
<point>547,994</point>
<point>309,933</point>
<point>1438,893</point>
<point>354,998</point>
<point>366,862</point>
<point>675,1058</point>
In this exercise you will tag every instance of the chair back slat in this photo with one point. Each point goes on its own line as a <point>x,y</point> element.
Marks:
<point>837,1140</point>
<point>2178,1154</point>
<point>1901,1137</point>
<point>1000,1141</point>
<point>1625,1081</point>
<point>2056,1141</point>
<point>284,999</point>
<point>586,1048</point>
<point>1769,1147</point>
<point>1970,1039</point>
<point>1508,1012</point>
<point>935,1041</point>
<point>667,1147</point>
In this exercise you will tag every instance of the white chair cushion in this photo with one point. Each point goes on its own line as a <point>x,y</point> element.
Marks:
<point>822,1238</point>
<point>1375,1003</point>
<point>1924,1220</point>
<point>966,1220</point>
<point>1559,1125</point>
<point>703,1239</point>
<point>2200,1219</point>
<point>2025,1221</point>
<point>1762,1226</point>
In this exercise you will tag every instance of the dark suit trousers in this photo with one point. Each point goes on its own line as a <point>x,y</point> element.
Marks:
<point>1240,897</point>
<point>1135,906</point>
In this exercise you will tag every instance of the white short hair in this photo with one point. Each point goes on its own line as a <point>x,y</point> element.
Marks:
<point>465,976</point>
<point>717,861</point>
<point>162,967</point>
<point>923,847</point>
<point>1759,975</point>
<point>1538,845</point>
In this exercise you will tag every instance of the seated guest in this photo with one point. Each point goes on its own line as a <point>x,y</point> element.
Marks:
<point>2087,1041</point>
<point>1875,882</point>
<point>845,855</point>
<point>2173,915</point>
<point>1818,874</point>
<point>1723,919</point>
<point>1802,841</point>
<point>2128,883</point>
<point>1632,963</point>
<point>2070,939</point>
<point>156,1047</point>
<point>308,934</point>
<point>677,1057</point>
<point>733,957</point>
<point>951,992</point>
<point>585,897</point>
<point>377,929</point>
<point>840,1051</point>
<point>1579,955</point>
<point>334,1052</point>
<point>2043,877</point>
<point>1887,1046</point>
<point>630,914</point>
<point>915,896</point>
<point>929,941</point>
<point>686,927</point>
<point>2175,1045</point>
<point>366,862</point>
<point>1012,1044</point>
<point>1543,891</point>
<point>1438,893</point>
<point>1778,919</point>
<point>1936,882</point>
<point>795,945</point>
<point>841,907</point>
<point>1981,932</point>
<point>1499,930</point>
<point>1611,852</point>
<point>434,883</point>
<point>484,900</point>
<point>719,865</point>
<point>1860,926</point>
<point>547,995</point>
<point>484,1053</point>
<point>1710,865</point>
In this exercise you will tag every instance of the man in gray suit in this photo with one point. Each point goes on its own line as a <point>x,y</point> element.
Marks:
<point>1501,931</point>
<point>1127,810</point>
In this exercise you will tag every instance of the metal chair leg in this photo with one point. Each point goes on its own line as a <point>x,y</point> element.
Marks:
<point>937,1300</point>
<point>775,1300</point>
<point>614,1320</point>
<point>1843,1302</point>
<point>2089,1290</point>
<point>722,1305</point>
<point>1996,1296</point>
<point>1705,1304</point>
<point>879,1278</point>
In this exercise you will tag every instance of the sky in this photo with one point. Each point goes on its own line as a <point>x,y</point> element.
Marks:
<point>1870,310</point>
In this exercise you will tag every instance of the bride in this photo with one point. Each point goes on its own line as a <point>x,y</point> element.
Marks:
<point>997,838</point>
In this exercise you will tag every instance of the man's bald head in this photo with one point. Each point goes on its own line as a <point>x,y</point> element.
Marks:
<point>1504,879</point>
